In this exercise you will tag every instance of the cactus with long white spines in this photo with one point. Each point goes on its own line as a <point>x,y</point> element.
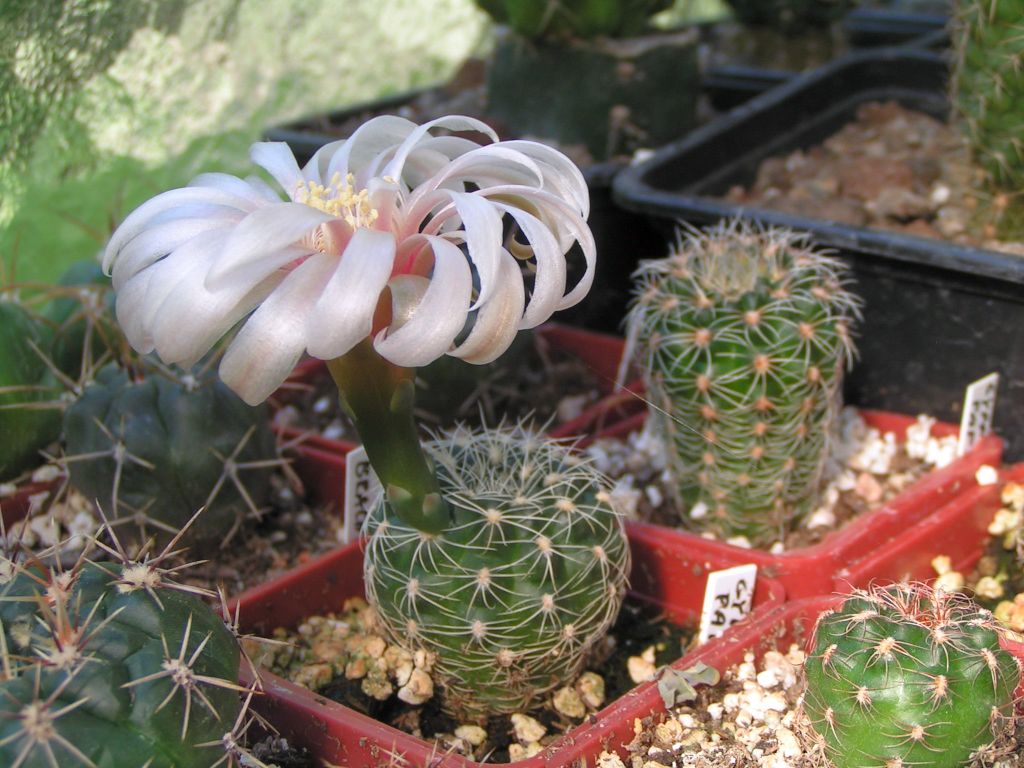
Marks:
<point>907,675</point>
<point>526,578</point>
<point>743,335</point>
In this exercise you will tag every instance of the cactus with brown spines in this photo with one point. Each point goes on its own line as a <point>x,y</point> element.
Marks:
<point>115,664</point>
<point>907,675</point>
<point>988,86</point>
<point>526,578</point>
<point>743,335</point>
<point>154,449</point>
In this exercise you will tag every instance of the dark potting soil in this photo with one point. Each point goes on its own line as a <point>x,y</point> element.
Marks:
<point>639,626</point>
<point>277,752</point>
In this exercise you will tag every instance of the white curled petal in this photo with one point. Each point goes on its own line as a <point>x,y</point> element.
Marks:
<point>549,280</point>
<point>396,167</point>
<point>497,322</point>
<point>191,318</point>
<point>316,168</point>
<point>276,158</point>
<point>141,217</point>
<point>343,315</point>
<point>260,241</point>
<point>230,184</point>
<point>440,315</point>
<point>272,340</point>
<point>561,175</point>
<point>490,165</point>
<point>381,134</point>
<point>129,308</point>
<point>264,190</point>
<point>157,242</point>
<point>482,226</point>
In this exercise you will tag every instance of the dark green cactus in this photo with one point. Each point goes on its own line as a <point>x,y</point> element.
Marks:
<point>789,15</point>
<point>528,576</point>
<point>110,665</point>
<point>81,314</point>
<point>159,449</point>
<point>574,19</point>
<point>743,336</point>
<point>907,676</point>
<point>30,410</point>
<point>988,86</point>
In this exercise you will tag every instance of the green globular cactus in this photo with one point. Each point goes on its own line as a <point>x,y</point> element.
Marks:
<point>743,335</point>
<point>110,665</point>
<point>574,19</point>
<point>988,86</point>
<point>528,576</point>
<point>30,410</point>
<point>907,676</point>
<point>156,450</point>
<point>81,312</point>
<point>789,15</point>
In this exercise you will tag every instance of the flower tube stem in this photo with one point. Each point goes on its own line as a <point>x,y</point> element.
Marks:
<point>380,396</point>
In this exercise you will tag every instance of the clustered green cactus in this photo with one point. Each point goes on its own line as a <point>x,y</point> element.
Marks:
<point>988,85</point>
<point>155,450</point>
<point>907,676</point>
<point>527,577</point>
<point>29,411</point>
<point>110,664</point>
<point>789,15</point>
<point>574,19</point>
<point>743,335</point>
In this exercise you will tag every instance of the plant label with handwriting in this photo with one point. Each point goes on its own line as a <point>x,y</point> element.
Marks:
<point>728,599</point>
<point>361,490</point>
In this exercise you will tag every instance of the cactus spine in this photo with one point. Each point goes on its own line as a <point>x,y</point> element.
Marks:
<point>111,664</point>
<point>156,450</point>
<point>907,676</point>
<point>988,86</point>
<point>743,336</point>
<point>529,574</point>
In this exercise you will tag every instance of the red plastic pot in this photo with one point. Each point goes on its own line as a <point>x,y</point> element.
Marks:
<point>16,506</point>
<point>671,574</point>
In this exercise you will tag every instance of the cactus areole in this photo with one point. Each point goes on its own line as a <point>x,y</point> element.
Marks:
<point>908,676</point>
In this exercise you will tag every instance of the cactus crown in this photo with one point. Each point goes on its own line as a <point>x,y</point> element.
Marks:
<point>115,664</point>
<point>154,450</point>
<point>529,574</point>
<point>574,19</point>
<point>743,335</point>
<point>907,675</point>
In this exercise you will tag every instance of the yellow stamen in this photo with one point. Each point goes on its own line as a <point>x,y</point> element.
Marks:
<point>339,198</point>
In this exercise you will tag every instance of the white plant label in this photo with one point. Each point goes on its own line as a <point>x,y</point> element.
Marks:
<point>361,490</point>
<point>728,598</point>
<point>979,405</point>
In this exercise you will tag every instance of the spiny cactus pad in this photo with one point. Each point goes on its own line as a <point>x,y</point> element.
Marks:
<point>110,665</point>
<point>529,575</point>
<point>907,676</point>
<point>155,451</point>
<point>743,336</point>
<point>988,82</point>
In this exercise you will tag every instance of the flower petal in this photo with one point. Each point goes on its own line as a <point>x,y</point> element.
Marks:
<point>268,346</point>
<point>369,140</point>
<point>277,159</point>
<point>440,314</point>
<point>396,167</point>
<point>482,226</point>
<point>141,217</point>
<point>497,322</point>
<point>157,242</point>
<point>343,315</point>
<point>265,240</point>
<point>561,175</point>
<point>549,280</point>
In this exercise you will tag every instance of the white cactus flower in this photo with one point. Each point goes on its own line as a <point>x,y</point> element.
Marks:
<point>392,207</point>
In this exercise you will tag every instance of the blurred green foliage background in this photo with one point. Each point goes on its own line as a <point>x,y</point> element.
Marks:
<point>104,103</point>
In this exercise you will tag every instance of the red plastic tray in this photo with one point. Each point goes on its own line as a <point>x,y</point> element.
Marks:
<point>671,574</point>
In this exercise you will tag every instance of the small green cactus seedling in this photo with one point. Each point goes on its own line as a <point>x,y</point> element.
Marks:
<point>907,676</point>
<point>789,15</point>
<point>527,577</point>
<point>574,19</point>
<point>743,336</point>
<point>112,664</point>
<point>29,407</point>
<point>153,451</point>
<point>988,86</point>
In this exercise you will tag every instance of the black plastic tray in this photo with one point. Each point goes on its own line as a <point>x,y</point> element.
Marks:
<point>937,315</point>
